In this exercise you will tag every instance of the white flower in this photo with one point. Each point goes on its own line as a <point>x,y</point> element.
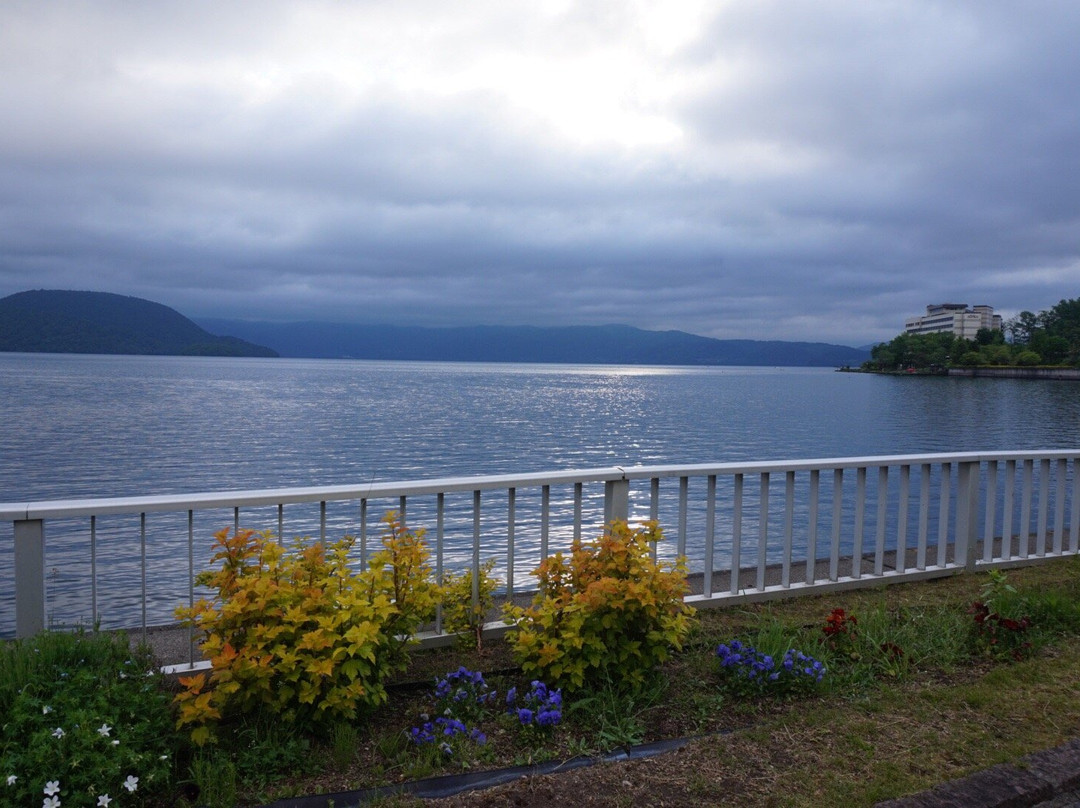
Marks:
<point>58,732</point>
<point>46,710</point>
<point>11,778</point>
<point>131,783</point>
<point>104,800</point>
<point>103,730</point>
<point>50,802</point>
<point>52,787</point>
<point>116,743</point>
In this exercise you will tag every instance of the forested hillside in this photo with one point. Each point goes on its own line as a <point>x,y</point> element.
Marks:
<point>98,322</point>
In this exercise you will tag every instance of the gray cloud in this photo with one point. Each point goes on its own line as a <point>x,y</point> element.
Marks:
<point>800,170</point>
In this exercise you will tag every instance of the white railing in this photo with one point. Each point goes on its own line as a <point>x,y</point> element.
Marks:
<point>750,531</point>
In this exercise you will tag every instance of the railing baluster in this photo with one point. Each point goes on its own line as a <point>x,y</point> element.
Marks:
<point>191,581</point>
<point>1007,510</point>
<point>654,510</point>
<point>763,532</point>
<point>1059,506</point>
<point>710,534</point>
<point>789,524</point>
<point>511,526</point>
<point>684,488</point>
<point>902,518</point>
<point>1024,533</point>
<point>322,522</point>
<point>838,498</point>
<point>943,513</point>
<point>280,523</point>
<point>545,514</point>
<point>142,568</point>
<point>363,533</point>
<point>29,577</point>
<point>967,509</point>
<point>811,540</point>
<point>991,511</point>
<point>93,571</point>
<point>476,550</point>
<point>1074,511</point>
<point>236,520</point>
<point>882,510</point>
<point>402,505</point>
<point>860,522</point>
<point>616,501</point>
<point>736,528</point>
<point>1044,507</point>
<point>924,515</point>
<point>440,529</point>
<point>577,512</point>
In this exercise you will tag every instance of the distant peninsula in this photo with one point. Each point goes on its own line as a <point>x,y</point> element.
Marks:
<point>55,321</point>
<point>602,344</point>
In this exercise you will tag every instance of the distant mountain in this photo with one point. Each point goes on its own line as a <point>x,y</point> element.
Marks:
<point>608,344</point>
<point>101,323</point>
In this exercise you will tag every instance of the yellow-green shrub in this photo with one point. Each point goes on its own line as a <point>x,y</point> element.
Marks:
<point>300,634</point>
<point>609,611</point>
<point>460,614</point>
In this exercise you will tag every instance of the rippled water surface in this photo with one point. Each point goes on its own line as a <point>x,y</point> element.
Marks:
<point>98,426</point>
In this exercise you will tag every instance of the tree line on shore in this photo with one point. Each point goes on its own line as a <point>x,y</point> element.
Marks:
<point>1049,338</point>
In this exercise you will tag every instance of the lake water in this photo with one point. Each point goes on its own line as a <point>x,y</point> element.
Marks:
<point>98,426</point>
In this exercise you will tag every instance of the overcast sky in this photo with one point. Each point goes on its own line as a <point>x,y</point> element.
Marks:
<point>794,170</point>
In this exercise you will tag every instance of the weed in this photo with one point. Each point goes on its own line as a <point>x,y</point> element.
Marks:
<point>343,742</point>
<point>614,713</point>
<point>460,613</point>
<point>214,774</point>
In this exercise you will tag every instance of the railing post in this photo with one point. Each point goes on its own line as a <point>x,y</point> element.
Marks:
<point>616,501</point>
<point>29,577</point>
<point>967,521</point>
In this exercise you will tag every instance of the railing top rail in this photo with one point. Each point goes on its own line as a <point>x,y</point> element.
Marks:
<point>58,509</point>
<point>768,466</point>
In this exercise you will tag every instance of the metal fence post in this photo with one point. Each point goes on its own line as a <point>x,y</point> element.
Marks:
<point>29,577</point>
<point>967,520</point>
<point>616,500</point>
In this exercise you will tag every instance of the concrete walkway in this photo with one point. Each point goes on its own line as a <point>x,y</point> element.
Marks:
<point>1049,779</point>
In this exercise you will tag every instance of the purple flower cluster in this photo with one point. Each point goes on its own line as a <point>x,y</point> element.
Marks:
<point>462,699</point>
<point>541,707</point>
<point>445,727</point>
<point>463,694</point>
<point>747,667</point>
<point>459,696</point>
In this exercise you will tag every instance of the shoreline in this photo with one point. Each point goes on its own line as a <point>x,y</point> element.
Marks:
<point>1040,373</point>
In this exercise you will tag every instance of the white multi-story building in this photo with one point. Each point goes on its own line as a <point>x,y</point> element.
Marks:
<point>954,317</point>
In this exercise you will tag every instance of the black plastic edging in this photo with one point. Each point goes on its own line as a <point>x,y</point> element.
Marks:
<point>451,784</point>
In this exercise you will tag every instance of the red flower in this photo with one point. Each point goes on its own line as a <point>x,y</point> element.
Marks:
<point>839,622</point>
<point>981,612</point>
